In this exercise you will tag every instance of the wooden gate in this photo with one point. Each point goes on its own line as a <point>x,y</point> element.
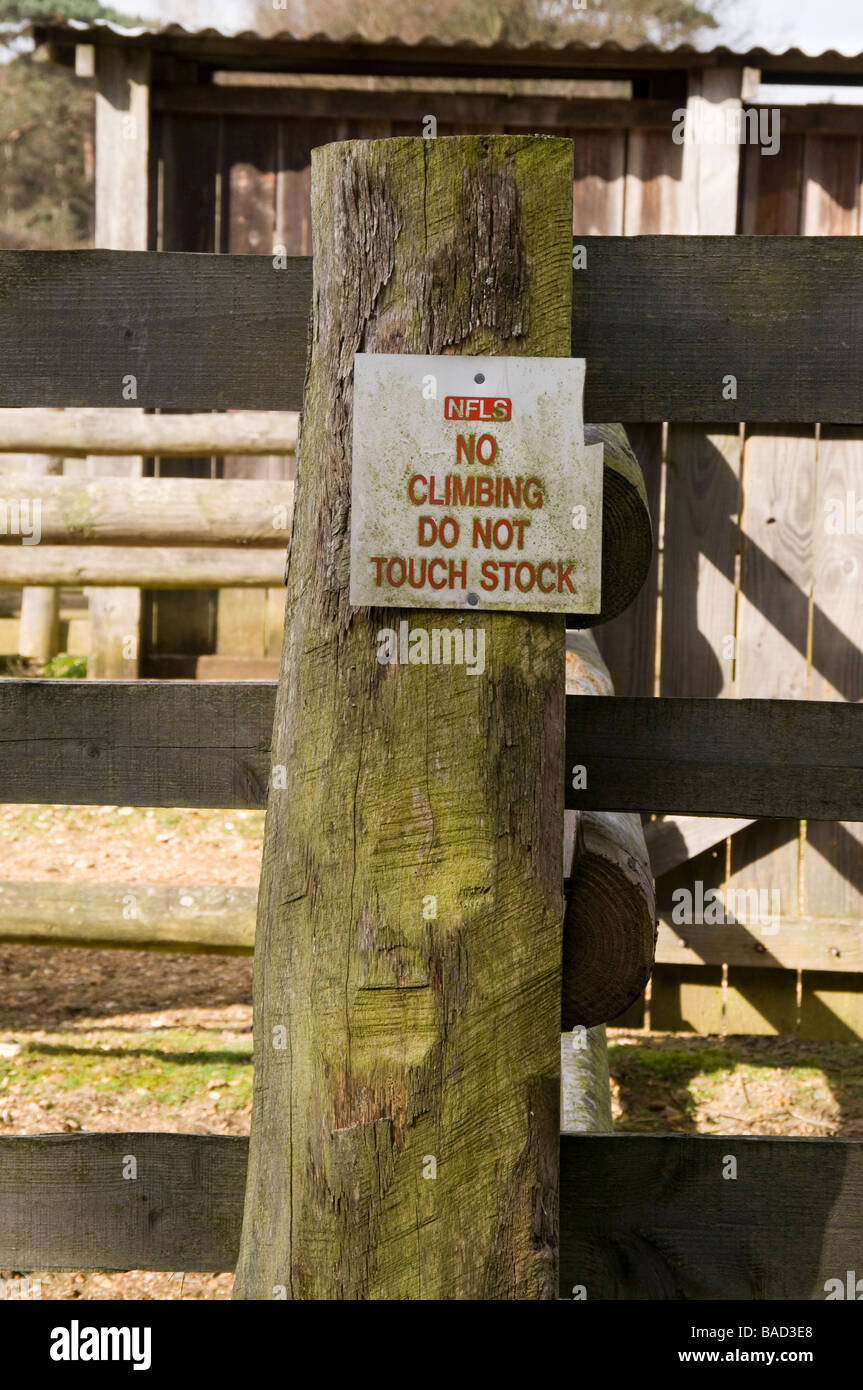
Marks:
<point>662,323</point>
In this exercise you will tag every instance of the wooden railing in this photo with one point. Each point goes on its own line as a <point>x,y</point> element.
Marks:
<point>663,322</point>
<point>188,743</point>
<point>642,1216</point>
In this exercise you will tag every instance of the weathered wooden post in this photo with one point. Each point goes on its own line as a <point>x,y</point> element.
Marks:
<point>407,970</point>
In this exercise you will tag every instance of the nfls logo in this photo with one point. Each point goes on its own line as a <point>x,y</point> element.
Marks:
<point>477,408</point>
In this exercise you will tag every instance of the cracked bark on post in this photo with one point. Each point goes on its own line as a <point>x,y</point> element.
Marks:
<point>413,1044</point>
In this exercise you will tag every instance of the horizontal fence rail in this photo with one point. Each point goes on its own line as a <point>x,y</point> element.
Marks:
<point>179,330</point>
<point>763,329</point>
<point>136,743</point>
<point>69,1202</point>
<point>652,1217</point>
<point>133,916</point>
<point>796,943</point>
<point>143,566</point>
<point>193,919</point>
<point>710,757</point>
<point>189,743</point>
<point>641,1216</point>
<point>77,433</point>
<point>140,512</point>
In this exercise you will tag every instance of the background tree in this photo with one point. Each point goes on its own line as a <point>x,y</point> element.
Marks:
<point>46,134</point>
<point>628,22</point>
<point>46,113</point>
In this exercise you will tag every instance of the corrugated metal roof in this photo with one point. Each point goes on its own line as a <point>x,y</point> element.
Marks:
<point>431,41</point>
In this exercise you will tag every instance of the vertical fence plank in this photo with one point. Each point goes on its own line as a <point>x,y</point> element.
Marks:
<point>693,188</point>
<point>831,185</point>
<point>39,628</point>
<point>766,856</point>
<point>122,224</point>
<point>628,643</point>
<point>772,189</point>
<point>702,508</point>
<point>250,174</point>
<point>833,851</point>
<point>772,637</point>
<point>654,187</point>
<point>599,181</point>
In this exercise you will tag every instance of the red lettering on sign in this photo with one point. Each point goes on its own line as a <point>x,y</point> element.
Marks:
<point>466,447</point>
<point>488,570</point>
<point>563,578</point>
<point>477,408</point>
<point>391,572</point>
<point>451,522</point>
<point>489,443</point>
<point>460,573</point>
<point>462,490</point>
<point>441,584</point>
<point>545,588</point>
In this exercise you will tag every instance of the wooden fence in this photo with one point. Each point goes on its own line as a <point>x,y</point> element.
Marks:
<point>151,533</point>
<point>643,1217</point>
<point>796,1218</point>
<point>795,1215</point>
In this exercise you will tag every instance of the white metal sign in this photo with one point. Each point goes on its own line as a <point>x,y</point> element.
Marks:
<point>472,485</point>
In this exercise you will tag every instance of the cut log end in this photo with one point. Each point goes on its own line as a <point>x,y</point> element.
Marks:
<point>609,928</point>
<point>627,531</point>
<point>609,936</point>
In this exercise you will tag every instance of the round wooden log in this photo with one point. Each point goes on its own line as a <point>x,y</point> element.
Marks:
<point>153,511</point>
<point>77,432</point>
<point>585,1090</point>
<point>141,567</point>
<point>405,1130</point>
<point>610,924</point>
<point>39,626</point>
<point>627,531</point>
<point>130,916</point>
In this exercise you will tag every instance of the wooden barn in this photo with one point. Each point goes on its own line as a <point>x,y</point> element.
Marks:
<point>203,145</point>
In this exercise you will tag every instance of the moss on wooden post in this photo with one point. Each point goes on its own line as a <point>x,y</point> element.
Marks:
<point>407,967</point>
